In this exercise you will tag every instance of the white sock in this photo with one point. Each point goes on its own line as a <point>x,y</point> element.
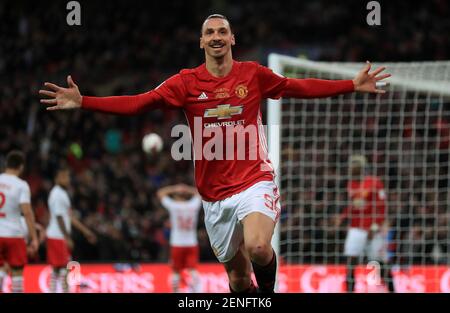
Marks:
<point>2,276</point>
<point>17,284</point>
<point>195,284</point>
<point>175,282</point>
<point>53,281</point>
<point>63,280</point>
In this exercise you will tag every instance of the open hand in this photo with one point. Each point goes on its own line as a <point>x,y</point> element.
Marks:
<point>62,98</point>
<point>369,82</point>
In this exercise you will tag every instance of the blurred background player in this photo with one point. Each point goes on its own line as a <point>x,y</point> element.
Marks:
<point>15,200</point>
<point>59,242</point>
<point>368,224</point>
<point>5,269</point>
<point>183,203</point>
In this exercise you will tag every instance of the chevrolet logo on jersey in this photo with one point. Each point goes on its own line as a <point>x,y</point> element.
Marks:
<point>223,111</point>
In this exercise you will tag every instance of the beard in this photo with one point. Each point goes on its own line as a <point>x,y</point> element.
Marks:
<point>218,54</point>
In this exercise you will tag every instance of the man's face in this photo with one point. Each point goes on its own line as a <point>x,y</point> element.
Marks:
<point>64,178</point>
<point>216,38</point>
<point>355,170</point>
<point>180,196</point>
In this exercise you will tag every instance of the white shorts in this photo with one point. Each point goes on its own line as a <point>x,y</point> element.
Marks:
<point>356,245</point>
<point>223,218</point>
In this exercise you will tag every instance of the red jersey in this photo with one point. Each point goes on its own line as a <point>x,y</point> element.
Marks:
<point>211,104</point>
<point>368,202</point>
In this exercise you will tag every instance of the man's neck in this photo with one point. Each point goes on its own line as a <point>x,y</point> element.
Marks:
<point>219,67</point>
<point>13,172</point>
<point>61,185</point>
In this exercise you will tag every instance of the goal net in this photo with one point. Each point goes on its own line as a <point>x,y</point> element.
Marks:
<point>405,137</point>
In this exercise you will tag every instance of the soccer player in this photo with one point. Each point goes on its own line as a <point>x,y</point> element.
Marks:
<point>368,223</point>
<point>240,198</point>
<point>15,200</point>
<point>183,203</point>
<point>59,242</point>
<point>5,269</point>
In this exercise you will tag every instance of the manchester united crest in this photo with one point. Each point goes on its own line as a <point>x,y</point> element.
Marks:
<point>241,91</point>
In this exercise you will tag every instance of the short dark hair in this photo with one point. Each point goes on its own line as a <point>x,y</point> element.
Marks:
<point>223,17</point>
<point>15,159</point>
<point>63,167</point>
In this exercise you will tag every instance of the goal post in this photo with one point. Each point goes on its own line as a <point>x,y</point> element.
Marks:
<point>273,138</point>
<point>404,134</point>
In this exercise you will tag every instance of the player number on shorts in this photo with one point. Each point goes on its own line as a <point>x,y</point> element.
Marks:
<point>2,203</point>
<point>271,202</point>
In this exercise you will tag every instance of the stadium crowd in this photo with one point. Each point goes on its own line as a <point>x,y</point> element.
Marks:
<point>127,49</point>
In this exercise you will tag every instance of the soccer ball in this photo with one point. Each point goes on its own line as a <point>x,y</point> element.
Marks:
<point>152,143</point>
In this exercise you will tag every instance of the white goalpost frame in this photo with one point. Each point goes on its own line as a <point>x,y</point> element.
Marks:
<point>348,70</point>
<point>274,144</point>
<point>273,123</point>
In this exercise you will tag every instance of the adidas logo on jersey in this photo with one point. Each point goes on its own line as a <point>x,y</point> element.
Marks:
<point>202,96</point>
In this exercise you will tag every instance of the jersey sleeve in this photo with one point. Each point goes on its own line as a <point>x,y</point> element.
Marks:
<point>56,204</point>
<point>173,91</point>
<point>196,202</point>
<point>68,201</point>
<point>25,194</point>
<point>124,105</point>
<point>271,84</point>
<point>381,201</point>
<point>168,203</point>
<point>275,86</point>
<point>381,194</point>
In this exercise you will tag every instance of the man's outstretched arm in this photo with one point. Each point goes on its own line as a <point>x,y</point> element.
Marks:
<point>275,86</point>
<point>61,98</point>
<point>316,88</point>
